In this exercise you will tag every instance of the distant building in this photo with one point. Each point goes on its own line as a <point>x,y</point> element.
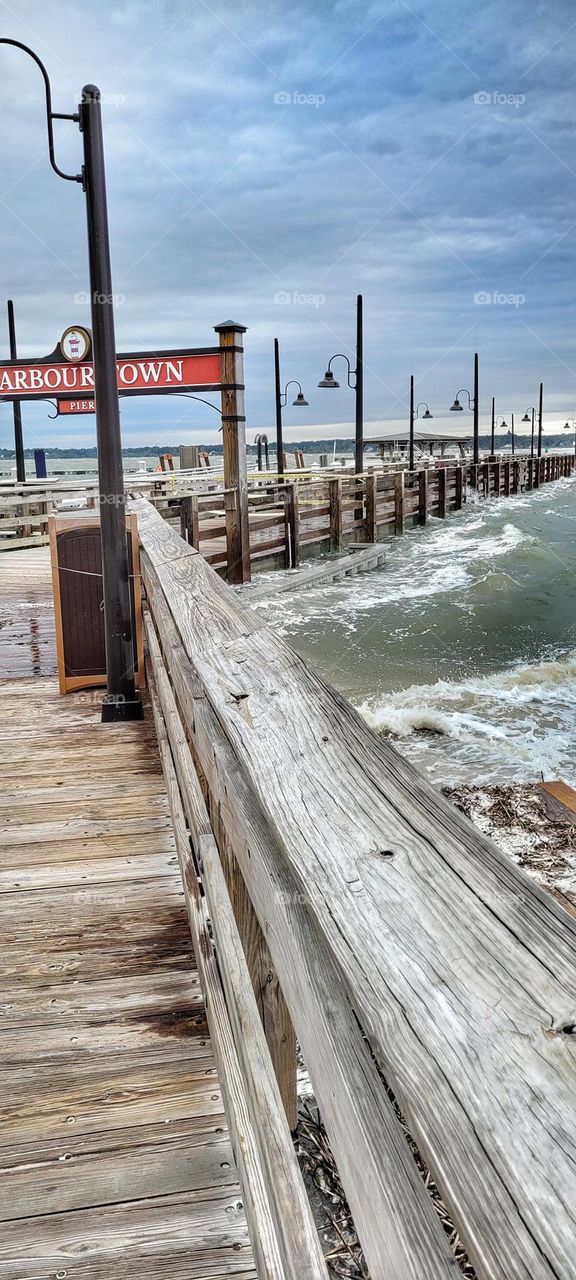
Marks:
<point>435,441</point>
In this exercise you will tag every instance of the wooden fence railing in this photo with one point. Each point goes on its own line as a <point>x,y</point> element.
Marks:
<point>405,949</point>
<point>287,520</point>
<point>329,512</point>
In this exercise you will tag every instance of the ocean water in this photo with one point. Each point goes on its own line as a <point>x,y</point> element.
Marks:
<point>462,647</point>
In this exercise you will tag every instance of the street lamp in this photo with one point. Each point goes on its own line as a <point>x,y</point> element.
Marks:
<point>415,413</point>
<point>281,397</point>
<point>570,425</point>
<point>357,385</point>
<point>529,416</point>
<point>496,422</point>
<point>540,418</point>
<point>457,407</point>
<point>122,701</point>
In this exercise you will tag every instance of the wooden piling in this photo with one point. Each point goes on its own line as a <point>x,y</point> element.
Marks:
<point>190,520</point>
<point>459,488</point>
<point>234,449</point>
<point>371,500</point>
<point>399,502</point>
<point>335,501</point>
<point>292,516</point>
<point>422,497</point>
<point>442,493</point>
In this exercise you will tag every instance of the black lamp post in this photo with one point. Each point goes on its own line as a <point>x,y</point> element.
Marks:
<point>456,407</point>
<point>122,700</point>
<point>281,399</point>
<point>18,437</point>
<point>540,418</point>
<point>415,413</point>
<point>529,415</point>
<point>358,386</point>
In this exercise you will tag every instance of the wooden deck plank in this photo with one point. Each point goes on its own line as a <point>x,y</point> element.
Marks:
<point>114,1152</point>
<point>193,1235</point>
<point>40,1177</point>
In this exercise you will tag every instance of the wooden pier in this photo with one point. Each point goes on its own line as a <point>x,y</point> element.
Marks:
<point>302,516</point>
<point>115,1154</point>
<point>185,898</point>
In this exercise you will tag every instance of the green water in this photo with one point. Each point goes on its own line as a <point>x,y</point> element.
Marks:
<point>463,646</point>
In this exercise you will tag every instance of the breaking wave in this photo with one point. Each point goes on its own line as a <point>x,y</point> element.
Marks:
<point>519,722</point>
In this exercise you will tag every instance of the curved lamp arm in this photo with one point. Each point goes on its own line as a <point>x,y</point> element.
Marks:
<point>421,405</point>
<point>351,372</point>
<point>185,395</point>
<point>464,392</point>
<point>50,114</point>
<point>284,396</point>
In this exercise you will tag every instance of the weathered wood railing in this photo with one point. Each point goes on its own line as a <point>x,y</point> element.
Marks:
<point>289,519</point>
<point>329,512</point>
<point>402,940</point>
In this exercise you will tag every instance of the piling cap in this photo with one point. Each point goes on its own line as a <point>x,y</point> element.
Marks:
<point>90,93</point>
<point>229,324</point>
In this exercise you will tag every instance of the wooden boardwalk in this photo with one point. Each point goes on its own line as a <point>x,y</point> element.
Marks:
<point>115,1156</point>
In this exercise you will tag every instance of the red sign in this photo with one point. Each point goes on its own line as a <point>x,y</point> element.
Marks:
<point>137,375</point>
<point>76,406</point>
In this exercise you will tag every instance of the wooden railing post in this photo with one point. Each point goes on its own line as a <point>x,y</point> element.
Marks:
<point>335,500</point>
<point>441,492</point>
<point>459,488</point>
<point>496,471</point>
<point>234,448</point>
<point>371,500</point>
<point>399,502</point>
<point>507,478</point>
<point>190,520</point>
<point>292,528</point>
<point>422,497</point>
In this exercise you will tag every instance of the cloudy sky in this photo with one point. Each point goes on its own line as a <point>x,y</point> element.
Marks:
<point>268,161</point>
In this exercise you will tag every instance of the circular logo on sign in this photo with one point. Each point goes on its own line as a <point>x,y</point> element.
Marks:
<point>75,343</point>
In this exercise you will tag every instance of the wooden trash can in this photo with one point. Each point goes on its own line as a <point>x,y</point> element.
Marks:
<point>76,555</point>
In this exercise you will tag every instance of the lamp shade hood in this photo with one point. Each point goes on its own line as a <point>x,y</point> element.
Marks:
<point>328,380</point>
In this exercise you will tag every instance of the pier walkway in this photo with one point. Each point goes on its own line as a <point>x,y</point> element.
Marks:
<point>115,1155</point>
<point>335,900</point>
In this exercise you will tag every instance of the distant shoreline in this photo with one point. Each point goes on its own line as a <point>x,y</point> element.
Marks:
<point>345,445</point>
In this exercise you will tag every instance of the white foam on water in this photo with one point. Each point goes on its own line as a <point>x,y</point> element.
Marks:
<point>442,561</point>
<point>517,723</point>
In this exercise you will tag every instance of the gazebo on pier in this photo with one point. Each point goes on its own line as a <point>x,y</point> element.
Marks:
<point>436,441</point>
